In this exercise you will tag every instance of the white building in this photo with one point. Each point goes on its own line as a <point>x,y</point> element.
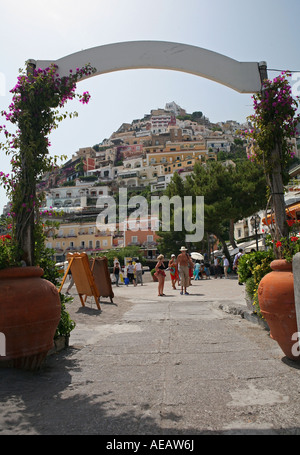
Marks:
<point>70,198</point>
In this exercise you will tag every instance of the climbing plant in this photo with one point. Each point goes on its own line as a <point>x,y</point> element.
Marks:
<point>274,125</point>
<point>35,111</point>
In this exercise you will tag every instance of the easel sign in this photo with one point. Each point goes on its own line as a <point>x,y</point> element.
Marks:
<point>101,276</point>
<point>79,266</point>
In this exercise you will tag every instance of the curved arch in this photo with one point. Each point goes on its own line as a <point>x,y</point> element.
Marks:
<point>244,77</point>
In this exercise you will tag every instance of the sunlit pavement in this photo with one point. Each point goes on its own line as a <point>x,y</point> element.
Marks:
<point>149,365</point>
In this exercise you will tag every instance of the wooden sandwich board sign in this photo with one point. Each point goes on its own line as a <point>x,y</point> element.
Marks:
<point>101,276</point>
<point>79,266</point>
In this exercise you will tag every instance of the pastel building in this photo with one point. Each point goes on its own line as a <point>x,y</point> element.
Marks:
<point>78,237</point>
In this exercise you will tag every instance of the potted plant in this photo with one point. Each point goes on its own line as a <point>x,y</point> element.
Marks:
<point>30,306</point>
<point>276,296</point>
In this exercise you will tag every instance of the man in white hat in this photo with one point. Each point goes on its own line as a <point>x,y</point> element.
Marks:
<point>183,262</point>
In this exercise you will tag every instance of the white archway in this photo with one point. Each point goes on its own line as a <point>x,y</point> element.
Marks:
<point>244,77</point>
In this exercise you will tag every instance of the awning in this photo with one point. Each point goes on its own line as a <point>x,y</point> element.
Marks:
<point>290,211</point>
<point>247,247</point>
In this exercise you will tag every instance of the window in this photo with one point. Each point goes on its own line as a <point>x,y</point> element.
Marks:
<point>97,243</point>
<point>82,244</point>
<point>149,238</point>
<point>90,243</point>
<point>134,239</point>
<point>105,243</point>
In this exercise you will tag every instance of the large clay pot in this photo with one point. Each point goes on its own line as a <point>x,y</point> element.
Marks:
<point>277,304</point>
<point>30,311</point>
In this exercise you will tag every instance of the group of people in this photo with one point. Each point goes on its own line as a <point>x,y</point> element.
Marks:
<point>134,272</point>
<point>181,271</point>
<point>201,269</point>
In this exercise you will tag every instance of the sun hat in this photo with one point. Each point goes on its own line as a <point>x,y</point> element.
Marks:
<point>172,255</point>
<point>183,248</point>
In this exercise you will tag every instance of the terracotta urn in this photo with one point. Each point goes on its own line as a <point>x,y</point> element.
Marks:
<point>277,304</point>
<point>30,311</point>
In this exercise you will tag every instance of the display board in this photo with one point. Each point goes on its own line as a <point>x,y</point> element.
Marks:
<point>79,265</point>
<point>101,276</point>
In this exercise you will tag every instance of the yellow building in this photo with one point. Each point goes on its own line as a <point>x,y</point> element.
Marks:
<point>178,155</point>
<point>79,237</point>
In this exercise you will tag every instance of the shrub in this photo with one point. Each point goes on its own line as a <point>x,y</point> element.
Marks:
<point>66,324</point>
<point>252,268</point>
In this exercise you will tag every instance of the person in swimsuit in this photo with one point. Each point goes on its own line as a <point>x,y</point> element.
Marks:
<point>160,274</point>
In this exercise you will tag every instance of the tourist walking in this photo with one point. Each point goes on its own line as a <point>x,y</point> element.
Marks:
<point>183,262</point>
<point>116,271</point>
<point>207,269</point>
<point>160,274</point>
<point>139,272</point>
<point>217,267</point>
<point>226,266</point>
<point>71,283</point>
<point>173,271</point>
<point>197,270</point>
<point>130,273</point>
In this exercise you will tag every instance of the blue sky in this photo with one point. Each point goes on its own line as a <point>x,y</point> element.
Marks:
<point>243,30</point>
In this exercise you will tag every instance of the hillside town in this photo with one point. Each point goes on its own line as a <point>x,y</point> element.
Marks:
<point>141,156</point>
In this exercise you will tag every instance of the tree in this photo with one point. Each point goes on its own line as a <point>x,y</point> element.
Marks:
<point>170,241</point>
<point>230,194</point>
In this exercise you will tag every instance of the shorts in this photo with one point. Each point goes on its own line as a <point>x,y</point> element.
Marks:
<point>184,275</point>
